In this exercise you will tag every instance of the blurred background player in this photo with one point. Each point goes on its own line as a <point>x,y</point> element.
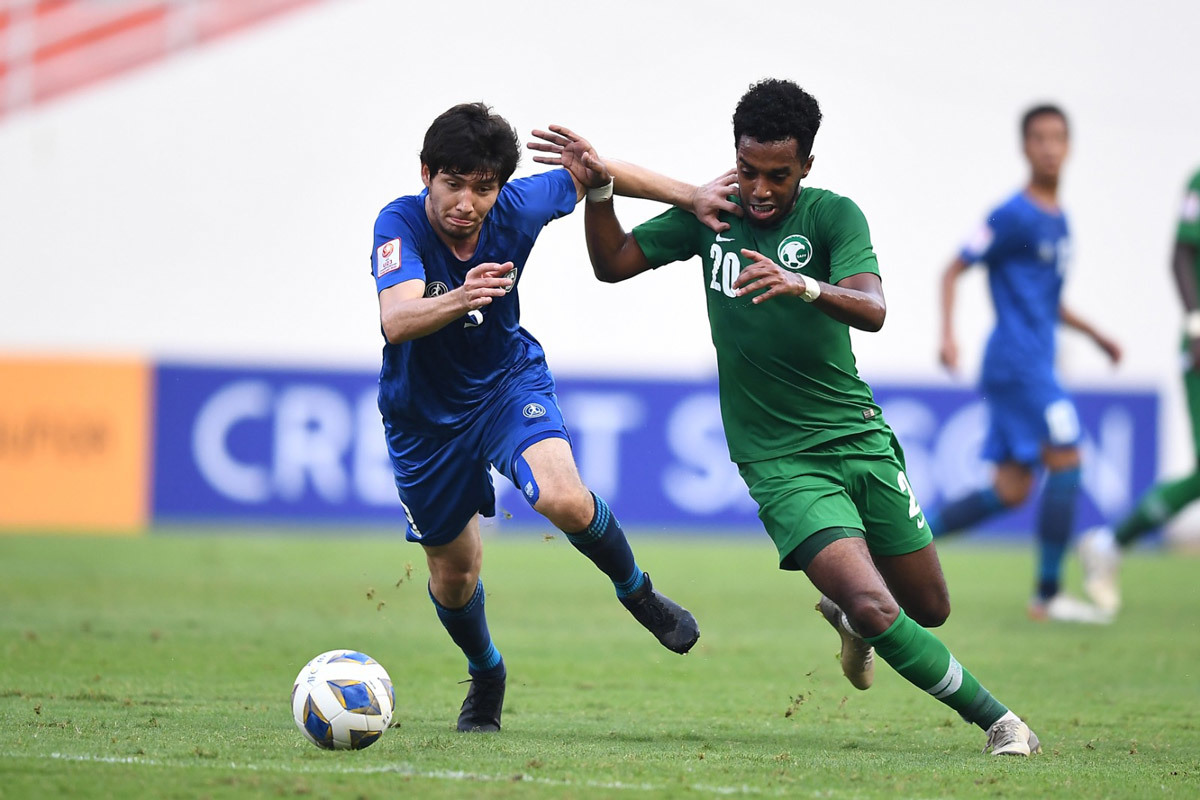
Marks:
<point>1099,548</point>
<point>464,387</point>
<point>784,283</point>
<point>1025,244</point>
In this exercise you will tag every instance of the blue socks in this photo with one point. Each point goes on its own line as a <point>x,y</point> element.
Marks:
<point>965,512</point>
<point>605,544</point>
<point>468,628</point>
<point>1056,520</point>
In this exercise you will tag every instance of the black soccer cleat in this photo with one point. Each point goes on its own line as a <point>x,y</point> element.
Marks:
<point>481,710</point>
<point>673,624</point>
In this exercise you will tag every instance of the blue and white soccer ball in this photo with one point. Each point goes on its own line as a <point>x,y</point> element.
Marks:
<point>343,700</point>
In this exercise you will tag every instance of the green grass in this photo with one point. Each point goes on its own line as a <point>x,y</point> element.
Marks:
<point>162,667</point>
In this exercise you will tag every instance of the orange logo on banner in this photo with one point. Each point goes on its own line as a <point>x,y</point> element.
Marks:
<point>74,444</point>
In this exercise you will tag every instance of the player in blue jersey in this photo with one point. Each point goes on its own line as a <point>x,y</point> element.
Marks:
<point>464,387</point>
<point>1025,245</point>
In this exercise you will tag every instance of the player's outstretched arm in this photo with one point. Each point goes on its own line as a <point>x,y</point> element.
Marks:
<point>406,314</point>
<point>568,149</point>
<point>948,351</point>
<point>1073,320</point>
<point>856,301</point>
<point>615,254</point>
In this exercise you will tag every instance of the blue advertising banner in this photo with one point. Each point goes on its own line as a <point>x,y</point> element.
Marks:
<point>307,446</point>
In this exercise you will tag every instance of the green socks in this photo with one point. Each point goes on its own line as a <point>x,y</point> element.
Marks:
<point>922,660</point>
<point>1157,506</point>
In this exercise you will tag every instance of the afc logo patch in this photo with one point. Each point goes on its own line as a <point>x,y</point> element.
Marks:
<point>387,257</point>
<point>795,252</point>
<point>436,289</point>
<point>534,410</point>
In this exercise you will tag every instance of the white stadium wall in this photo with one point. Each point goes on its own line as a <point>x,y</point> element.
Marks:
<point>217,206</point>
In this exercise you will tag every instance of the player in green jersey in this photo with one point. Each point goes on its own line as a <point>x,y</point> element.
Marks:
<point>784,283</point>
<point>1100,548</point>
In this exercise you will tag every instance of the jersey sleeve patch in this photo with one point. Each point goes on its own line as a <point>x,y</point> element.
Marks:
<point>387,257</point>
<point>978,242</point>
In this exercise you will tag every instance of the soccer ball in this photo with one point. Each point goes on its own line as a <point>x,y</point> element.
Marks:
<point>343,700</point>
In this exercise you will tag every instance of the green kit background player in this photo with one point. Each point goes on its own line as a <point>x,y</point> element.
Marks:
<point>1099,548</point>
<point>784,283</point>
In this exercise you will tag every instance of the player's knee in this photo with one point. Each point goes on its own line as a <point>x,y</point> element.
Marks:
<point>568,508</point>
<point>931,613</point>
<point>452,583</point>
<point>1013,491</point>
<point>1058,459</point>
<point>871,613</point>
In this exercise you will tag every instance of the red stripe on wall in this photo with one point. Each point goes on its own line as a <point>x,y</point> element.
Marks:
<point>52,47</point>
<point>104,58</point>
<point>97,33</point>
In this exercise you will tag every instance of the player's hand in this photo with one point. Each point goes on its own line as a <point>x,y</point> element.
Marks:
<point>485,282</point>
<point>712,198</point>
<point>948,355</point>
<point>764,275</point>
<point>1112,349</point>
<point>571,151</point>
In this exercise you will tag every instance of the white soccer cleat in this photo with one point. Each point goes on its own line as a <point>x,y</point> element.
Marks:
<point>1065,608</point>
<point>1009,736</point>
<point>1101,559</point>
<point>857,657</point>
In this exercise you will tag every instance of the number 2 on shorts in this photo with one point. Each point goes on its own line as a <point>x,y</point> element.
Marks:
<point>913,507</point>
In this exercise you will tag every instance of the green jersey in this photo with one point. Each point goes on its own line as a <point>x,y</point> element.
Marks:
<point>788,380</point>
<point>1188,232</point>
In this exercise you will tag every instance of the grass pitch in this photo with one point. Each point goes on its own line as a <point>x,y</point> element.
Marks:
<point>162,667</point>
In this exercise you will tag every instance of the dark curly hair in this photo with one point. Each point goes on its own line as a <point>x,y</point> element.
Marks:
<point>471,140</point>
<point>1040,111</point>
<point>773,110</point>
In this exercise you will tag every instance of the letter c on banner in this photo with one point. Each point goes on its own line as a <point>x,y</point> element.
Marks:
<point>232,404</point>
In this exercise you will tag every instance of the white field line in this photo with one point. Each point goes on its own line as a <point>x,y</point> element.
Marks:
<point>406,771</point>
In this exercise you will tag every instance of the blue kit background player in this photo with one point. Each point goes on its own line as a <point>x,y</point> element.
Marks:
<point>464,387</point>
<point>1025,245</point>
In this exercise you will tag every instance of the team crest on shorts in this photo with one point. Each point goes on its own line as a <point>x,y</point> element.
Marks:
<point>534,410</point>
<point>795,252</point>
<point>436,289</point>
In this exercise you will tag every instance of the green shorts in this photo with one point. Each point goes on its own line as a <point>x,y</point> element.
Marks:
<point>848,487</point>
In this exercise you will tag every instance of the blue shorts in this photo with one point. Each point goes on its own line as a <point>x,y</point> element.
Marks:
<point>444,481</point>
<point>1025,417</point>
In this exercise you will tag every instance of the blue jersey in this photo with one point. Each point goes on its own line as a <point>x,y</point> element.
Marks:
<point>437,381</point>
<point>1026,250</point>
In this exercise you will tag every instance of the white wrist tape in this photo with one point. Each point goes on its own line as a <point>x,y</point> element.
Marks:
<point>600,193</point>
<point>1191,324</point>
<point>812,289</point>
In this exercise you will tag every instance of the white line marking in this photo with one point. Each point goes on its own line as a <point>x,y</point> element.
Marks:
<point>397,769</point>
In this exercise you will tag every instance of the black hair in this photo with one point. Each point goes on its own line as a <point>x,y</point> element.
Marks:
<point>1041,111</point>
<point>773,110</point>
<point>471,140</point>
